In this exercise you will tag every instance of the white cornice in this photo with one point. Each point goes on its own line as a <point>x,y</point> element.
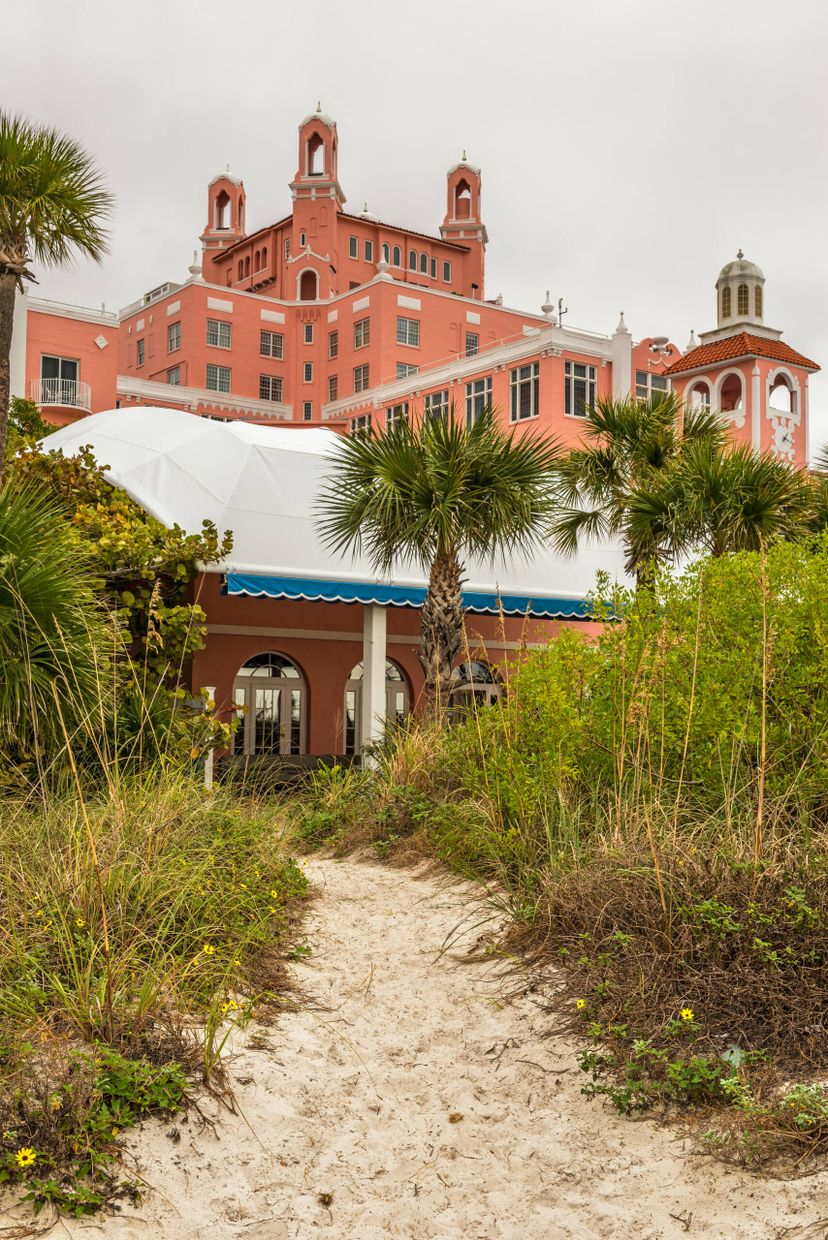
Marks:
<point>176,394</point>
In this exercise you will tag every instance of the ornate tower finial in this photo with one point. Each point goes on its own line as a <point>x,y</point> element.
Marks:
<point>465,156</point>
<point>739,253</point>
<point>319,105</point>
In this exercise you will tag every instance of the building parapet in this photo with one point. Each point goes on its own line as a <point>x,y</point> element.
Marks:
<point>42,305</point>
<point>195,398</point>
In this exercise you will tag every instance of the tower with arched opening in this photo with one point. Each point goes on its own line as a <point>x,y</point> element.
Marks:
<point>463,222</point>
<point>226,205</point>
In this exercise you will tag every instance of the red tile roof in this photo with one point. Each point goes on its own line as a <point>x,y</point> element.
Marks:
<point>744,344</point>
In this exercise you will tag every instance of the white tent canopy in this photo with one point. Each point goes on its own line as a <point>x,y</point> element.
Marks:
<point>261,483</point>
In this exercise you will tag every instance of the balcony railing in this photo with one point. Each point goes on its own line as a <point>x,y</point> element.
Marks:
<point>62,392</point>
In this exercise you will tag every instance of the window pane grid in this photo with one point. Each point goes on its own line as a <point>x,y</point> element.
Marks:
<point>579,388</point>
<point>218,378</point>
<point>219,334</point>
<point>270,387</point>
<point>271,344</point>
<point>362,333</point>
<point>408,332</point>
<point>478,398</point>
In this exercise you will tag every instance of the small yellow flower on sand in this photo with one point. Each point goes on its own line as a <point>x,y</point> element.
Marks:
<point>237,962</point>
<point>274,895</point>
<point>580,1004</point>
<point>208,949</point>
<point>230,1006</point>
<point>25,1157</point>
<point>686,1015</point>
<point>271,909</point>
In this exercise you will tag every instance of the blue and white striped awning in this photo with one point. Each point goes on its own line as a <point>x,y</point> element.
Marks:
<point>255,585</point>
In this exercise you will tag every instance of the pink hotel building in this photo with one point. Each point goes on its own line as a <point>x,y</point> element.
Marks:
<point>327,318</point>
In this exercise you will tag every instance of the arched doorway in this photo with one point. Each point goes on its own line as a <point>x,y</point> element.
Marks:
<point>397,702</point>
<point>270,695</point>
<point>308,286</point>
<point>473,684</point>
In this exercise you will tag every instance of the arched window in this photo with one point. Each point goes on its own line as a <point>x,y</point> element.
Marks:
<point>731,394</point>
<point>782,397</point>
<point>742,300</point>
<point>264,256</point>
<point>424,263</point>
<point>474,684</point>
<point>412,259</point>
<point>386,252</point>
<point>462,201</point>
<point>269,693</point>
<point>727,302</point>
<point>698,395</point>
<point>397,259</point>
<point>308,286</point>
<point>257,261</point>
<point>241,215</point>
<point>223,219</point>
<point>241,268</point>
<point>397,702</point>
<point>316,156</point>
<point>757,301</point>
<point>247,266</point>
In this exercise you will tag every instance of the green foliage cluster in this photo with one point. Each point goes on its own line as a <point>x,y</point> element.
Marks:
<point>140,924</point>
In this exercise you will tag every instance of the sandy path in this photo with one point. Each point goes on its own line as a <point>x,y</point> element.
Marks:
<point>356,1103</point>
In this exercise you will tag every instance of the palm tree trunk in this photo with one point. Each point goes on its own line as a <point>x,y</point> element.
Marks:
<point>442,630</point>
<point>8,290</point>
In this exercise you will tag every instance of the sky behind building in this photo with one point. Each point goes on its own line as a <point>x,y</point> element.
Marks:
<point>628,148</point>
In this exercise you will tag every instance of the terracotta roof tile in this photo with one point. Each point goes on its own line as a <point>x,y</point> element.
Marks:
<point>743,344</point>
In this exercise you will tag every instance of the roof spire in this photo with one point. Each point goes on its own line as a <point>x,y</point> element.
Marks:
<point>740,253</point>
<point>319,105</point>
<point>465,156</point>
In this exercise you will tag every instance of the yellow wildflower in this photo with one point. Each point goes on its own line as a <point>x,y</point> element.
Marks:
<point>580,1004</point>
<point>237,962</point>
<point>274,895</point>
<point>56,1103</point>
<point>80,923</point>
<point>686,1015</point>
<point>208,949</point>
<point>25,1156</point>
<point>230,1006</point>
<point>115,1131</point>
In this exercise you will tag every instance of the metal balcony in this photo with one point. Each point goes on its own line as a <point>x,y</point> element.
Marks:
<point>68,392</point>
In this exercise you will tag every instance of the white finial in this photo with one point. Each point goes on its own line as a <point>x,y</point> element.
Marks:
<point>195,266</point>
<point>382,269</point>
<point>499,299</point>
<point>547,309</point>
<point>319,105</point>
<point>365,208</point>
<point>622,326</point>
<point>226,167</point>
<point>465,156</point>
<point>692,343</point>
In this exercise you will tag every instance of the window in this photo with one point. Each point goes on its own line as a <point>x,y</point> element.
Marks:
<point>434,268</point>
<point>303,240</point>
<point>395,414</point>
<point>218,378</point>
<point>404,369</point>
<point>247,266</point>
<point>307,411</point>
<point>361,424</point>
<point>308,286</point>
<point>308,333</point>
<point>698,396</point>
<point>727,302</point>
<point>58,381</point>
<point>241,268</point>
<point>316,156</point>
<point>649,386</point>
<point>436,406</point>
<point>333,344</point>
<point>257,260</point>
<point>271,344</point>
<point>757,301</point>
<point>360,378</point>
<point>472,344</point>
<point>307,372</point>
<point>353,247</point>
<point>447,272</point>
<point>369,251</point>
<point>524,386</point>
<point>408,332</point>
<point>386,252</point>
<point>412,259</point>
<point>333,387</point>
<point>287,247</point>
<point>269,694</point>
<point>174,376</point>
<point>362,333</point>
<point>270,387</point>
<point>473,685</point>
<point>579,388</point>
<point>397,257</point>
<point>424,264</point>
<point>397,703</point>
<point>139,353</point>
<point>219,334</point>
<point>264,256</point>
<point>173,337</point>
<point>478,398</point>
<point>742,300</point>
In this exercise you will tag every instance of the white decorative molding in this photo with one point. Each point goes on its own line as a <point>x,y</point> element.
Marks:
<point>42,305</point>
<point>409,303</point>
<point>173,307</point>
<point>166,394</point>
<point>333,315</point>
<point>271,316</point>
<point>101,342</point>
<point>472,316</point>
<point>220,303</point>
<point>361,303</point>
<point>139,326</point>
<point>784,423</point>
<point>736,417</point>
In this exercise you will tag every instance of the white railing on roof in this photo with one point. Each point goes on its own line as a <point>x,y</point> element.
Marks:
<point>62,392</point>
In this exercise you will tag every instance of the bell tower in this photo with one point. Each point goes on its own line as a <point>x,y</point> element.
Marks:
<point>462,221</point>
<point>226,205</point>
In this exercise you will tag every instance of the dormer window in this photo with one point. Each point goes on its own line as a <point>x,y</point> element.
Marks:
<point>742,300</point>
<point>727,302</point>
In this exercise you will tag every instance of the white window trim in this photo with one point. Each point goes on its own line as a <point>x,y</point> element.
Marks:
<point>408,344</point>
<point>516,382</point>
<point>307,377</point>
<point>217,344</point>
<point>569,384</point>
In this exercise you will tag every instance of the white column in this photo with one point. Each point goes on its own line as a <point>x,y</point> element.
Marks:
<point>209,692</point>
<point>621,361</point>
<point>756,406</point>
<point>18,346</point>
<point>372,721</point>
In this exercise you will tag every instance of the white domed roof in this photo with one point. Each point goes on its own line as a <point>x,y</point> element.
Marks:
<point>741,266</point>
<point>321,116</point>
<point>464,163</point>
<point>227,175</point>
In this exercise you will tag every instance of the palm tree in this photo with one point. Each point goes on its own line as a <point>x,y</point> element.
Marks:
<point>627,444</point>
<point>435,494</point>
<point>52,204</point>
<point>720,498</point>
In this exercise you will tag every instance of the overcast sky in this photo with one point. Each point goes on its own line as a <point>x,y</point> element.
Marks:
<point>628,147</point>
